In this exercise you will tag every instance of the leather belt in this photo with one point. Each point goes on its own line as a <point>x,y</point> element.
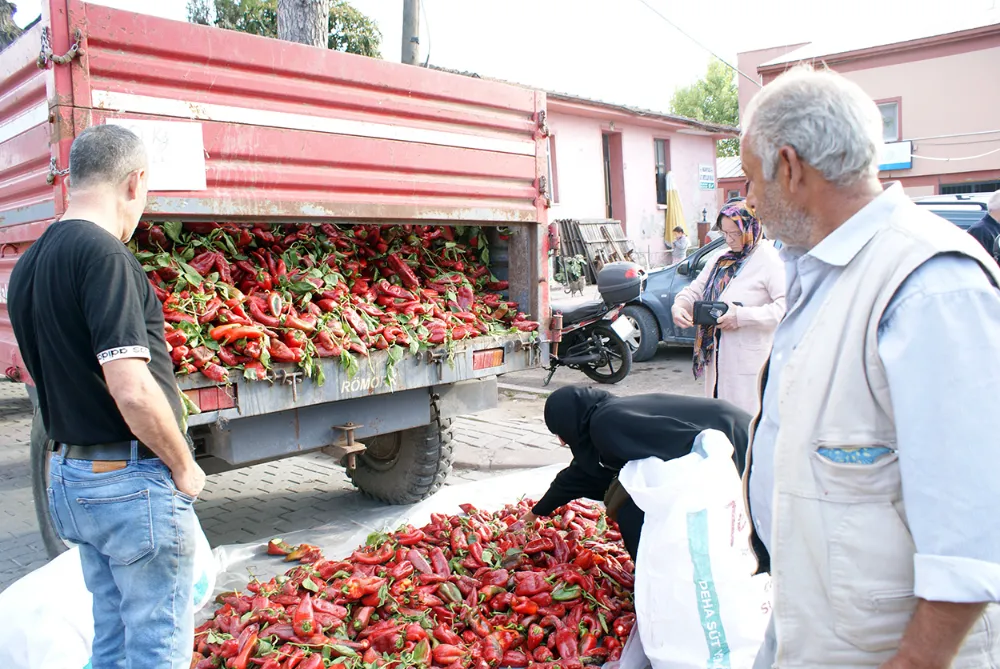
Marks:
<point>121,450</point>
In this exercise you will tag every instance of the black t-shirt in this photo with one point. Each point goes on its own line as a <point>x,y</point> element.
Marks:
<point>78,299</point>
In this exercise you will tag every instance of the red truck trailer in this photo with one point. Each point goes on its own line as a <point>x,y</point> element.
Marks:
<point>241,129</point>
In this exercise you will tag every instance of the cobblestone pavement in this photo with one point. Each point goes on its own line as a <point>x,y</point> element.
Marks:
<point>272,498</point>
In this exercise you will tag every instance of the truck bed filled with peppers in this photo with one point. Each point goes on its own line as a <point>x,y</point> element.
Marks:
<point>243,297</point>
<point>474,591</point>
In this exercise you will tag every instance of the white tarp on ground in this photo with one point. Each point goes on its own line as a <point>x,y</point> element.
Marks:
<point>61,602</point>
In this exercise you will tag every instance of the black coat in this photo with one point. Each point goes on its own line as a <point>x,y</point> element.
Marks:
<point>986,232</point>
<point>604,432</point>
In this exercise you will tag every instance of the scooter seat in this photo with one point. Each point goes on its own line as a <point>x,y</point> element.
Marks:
<point>574,312</point>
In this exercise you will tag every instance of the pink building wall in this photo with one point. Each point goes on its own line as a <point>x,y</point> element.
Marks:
<point>942,84</point>
<point>748,62</point>
<point>580,177</point>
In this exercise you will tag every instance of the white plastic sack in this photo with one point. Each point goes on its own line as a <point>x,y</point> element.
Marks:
<point>54,600</point>
<point>696,603</point>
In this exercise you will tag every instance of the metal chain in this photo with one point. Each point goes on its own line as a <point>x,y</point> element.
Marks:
<point>55,172</point>
<point>46,56</point>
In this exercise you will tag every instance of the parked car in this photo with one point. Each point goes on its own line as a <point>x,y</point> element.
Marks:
<point>650,313</point>
<point>962,210</point>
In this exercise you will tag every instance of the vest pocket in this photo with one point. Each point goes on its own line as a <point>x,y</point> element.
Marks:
<point>870,552</point>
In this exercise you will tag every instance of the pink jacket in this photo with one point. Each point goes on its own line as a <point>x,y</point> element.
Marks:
<point>760,287</point>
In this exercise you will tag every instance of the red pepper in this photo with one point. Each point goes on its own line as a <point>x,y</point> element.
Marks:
<point>179,353</point>
<point>536,636</point>
<point>404,272</point>
<point>446,654</point>
<point>446,636</point>
<point>459,543</point>
<point>542,654</point>
<point>234,331</point>
<point>419,562</point>
<point>355,321</point>
<point>362,617</point>
<point>380,556</point>
<point>171,316</point>
<point>328,305</point>
<point>203,262</point>
<point>257,313</point>
<point>314,661</point>
<point>530,583</point>
<point>515,658</point>
<point>439,562</point>
<point>524,606</point>
<point>215,372</point>
<point>304,322</point>
<point>295,338</point>
<point>302,620</point>
<point>281,353</point>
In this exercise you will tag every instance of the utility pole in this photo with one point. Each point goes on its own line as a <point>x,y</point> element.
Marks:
<point>411,32</point>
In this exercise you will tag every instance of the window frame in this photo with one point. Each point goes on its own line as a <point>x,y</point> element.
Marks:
<point>553,166</point>
<point>657,142</point>
<point>898,101</point>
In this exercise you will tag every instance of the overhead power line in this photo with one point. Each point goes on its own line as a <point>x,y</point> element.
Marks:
<point>717,56</point>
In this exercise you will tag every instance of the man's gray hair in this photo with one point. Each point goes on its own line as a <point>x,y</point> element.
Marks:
<point>104,154</point>
<point>830,122</point>
<point>993,205</point>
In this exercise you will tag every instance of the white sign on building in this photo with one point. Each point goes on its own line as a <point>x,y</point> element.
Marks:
<point>706,177</point>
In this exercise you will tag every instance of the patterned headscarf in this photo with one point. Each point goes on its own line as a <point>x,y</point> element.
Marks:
<point>725,269</point>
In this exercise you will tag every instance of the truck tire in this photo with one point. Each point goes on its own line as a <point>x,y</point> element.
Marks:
<point>408,466</point>
<point>649,332</point>
<point>40,451</point>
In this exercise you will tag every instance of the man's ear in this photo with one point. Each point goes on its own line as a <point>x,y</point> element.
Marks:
<point>791,168</point>
<point>134,183</point>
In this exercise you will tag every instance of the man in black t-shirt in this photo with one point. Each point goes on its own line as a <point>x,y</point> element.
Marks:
<point>122,478</point>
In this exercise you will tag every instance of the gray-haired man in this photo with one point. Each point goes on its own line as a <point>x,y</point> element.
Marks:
<point>871,478</point>
<point>122,478</point>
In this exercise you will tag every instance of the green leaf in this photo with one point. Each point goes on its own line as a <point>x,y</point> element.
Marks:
<point>350,363</point>
<point>264,647</point>
<point>173,230</point>
<point>310,585</point>
<point>602,525</point>
<point>604,622</point>
<point>188,254</point>
<point>327,652</point>
<point>486,256</point>
<point>450,245</point>
<point>265,357</point>
<point>383,594</point>
<point>301,287</point>
<point>229,245</point>
<point>376,539</point>
<point>189,273</point>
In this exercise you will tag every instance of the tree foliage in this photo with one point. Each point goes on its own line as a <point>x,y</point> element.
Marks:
<point>9,31</point>
<point>350,30</point>
<point>714,99</point>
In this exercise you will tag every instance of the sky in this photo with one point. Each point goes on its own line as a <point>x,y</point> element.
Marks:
<point>620,51</point>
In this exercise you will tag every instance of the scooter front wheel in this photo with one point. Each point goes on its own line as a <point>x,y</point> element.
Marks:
<point>616,358</point>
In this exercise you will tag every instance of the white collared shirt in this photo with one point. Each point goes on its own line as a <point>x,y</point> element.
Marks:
<point>939,341</point>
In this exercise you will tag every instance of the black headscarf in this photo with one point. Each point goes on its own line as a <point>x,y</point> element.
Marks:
<point>568,413</point>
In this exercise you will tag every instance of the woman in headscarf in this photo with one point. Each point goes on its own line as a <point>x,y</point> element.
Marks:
<point>604,432</point>
<point>749,276</point>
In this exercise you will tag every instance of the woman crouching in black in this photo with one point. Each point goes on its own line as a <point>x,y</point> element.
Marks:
<point>604,432</point>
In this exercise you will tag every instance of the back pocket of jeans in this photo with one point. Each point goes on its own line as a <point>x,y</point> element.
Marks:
<point>122,526</point>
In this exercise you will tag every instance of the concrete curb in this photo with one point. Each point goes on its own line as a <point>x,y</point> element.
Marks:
<point>524,389</point>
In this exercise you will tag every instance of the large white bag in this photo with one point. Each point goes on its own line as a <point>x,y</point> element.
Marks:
<point>53,601</point>
<point>696,603</point>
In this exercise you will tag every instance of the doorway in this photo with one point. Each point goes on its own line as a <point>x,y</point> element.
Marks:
<point>614,177</point>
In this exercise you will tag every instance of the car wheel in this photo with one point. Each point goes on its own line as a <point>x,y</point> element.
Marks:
<point>646,338</point>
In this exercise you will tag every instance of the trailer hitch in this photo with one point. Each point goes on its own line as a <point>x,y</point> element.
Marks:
<point>345,446</point>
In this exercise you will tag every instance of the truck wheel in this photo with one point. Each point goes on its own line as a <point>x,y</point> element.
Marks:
<point>39,486</point>
<point>408,466</point>
<point>647,340</point>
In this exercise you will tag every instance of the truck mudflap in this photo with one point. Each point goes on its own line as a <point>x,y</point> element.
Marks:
<point>289,388</point>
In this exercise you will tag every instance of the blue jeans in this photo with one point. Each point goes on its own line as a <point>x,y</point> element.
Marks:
<point>136,536</point>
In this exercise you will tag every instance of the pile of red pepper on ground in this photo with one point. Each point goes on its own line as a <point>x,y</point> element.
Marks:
<point>245,296</point>
<point>464,592</point>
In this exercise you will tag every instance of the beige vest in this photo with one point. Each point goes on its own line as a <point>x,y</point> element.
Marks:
<point>841,549</point>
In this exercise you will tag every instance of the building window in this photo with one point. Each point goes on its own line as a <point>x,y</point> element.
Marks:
<point>733,195</point>
<point>970,188</point>
<point>553,171</point>
<point>661,152</point>
<point>890,121</point>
